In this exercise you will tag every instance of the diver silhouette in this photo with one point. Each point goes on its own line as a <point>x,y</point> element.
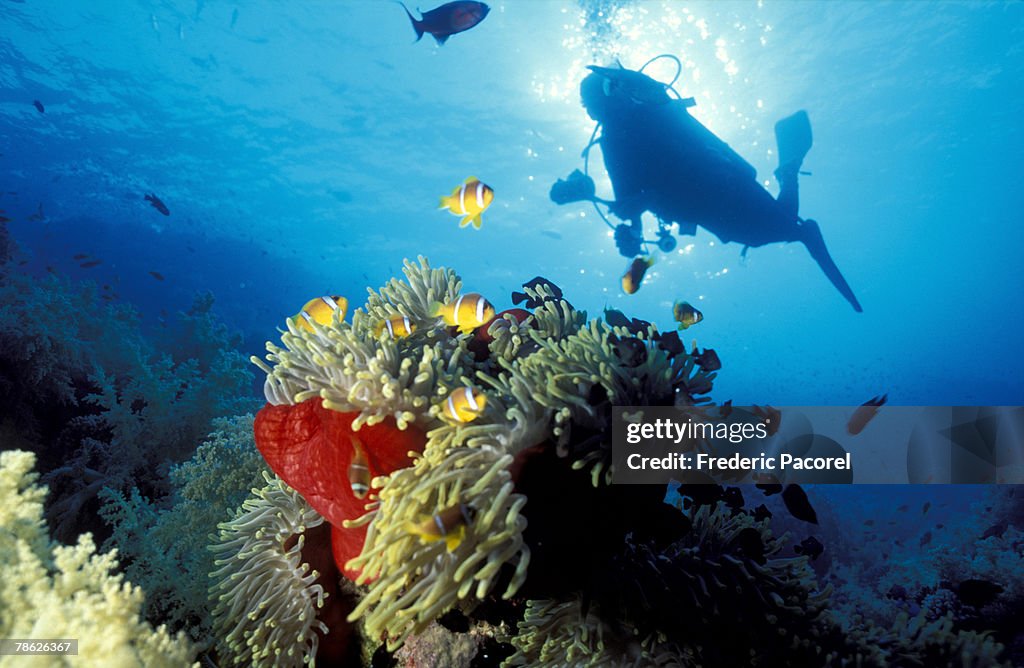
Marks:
<point>661,159</point>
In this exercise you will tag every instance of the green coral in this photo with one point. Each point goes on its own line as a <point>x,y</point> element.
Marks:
<point>55,591</point>
<point>160,541</point>
<point>266,597</point>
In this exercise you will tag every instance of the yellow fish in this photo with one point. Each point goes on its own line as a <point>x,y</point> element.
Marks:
<point>448,525</point>
<point>398,326</point>
<point>470,200</point>
<point>635,274</point>
<point>321,311</point>
<point>467,312</point>
<point>359,471</point>
<point>465,404</point>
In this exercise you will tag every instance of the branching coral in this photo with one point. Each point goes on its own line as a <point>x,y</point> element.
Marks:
<point>56,591</point>
<point>159,542</point>
<point>266,597</point>
<point>99,402</point>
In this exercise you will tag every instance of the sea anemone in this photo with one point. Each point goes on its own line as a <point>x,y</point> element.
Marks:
<point>266,597</point>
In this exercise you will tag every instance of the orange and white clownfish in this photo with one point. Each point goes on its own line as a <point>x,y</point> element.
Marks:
<point>467,312</point>
<point>448,525</point>
<point>359,470</point>
<point>465,404</point>
<point>635,274</point>
<point>470,200</point>
<point>321,311</point>
<point>398,327</point>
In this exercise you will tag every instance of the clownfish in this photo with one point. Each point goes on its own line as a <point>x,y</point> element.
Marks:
<point>448,525</point>
<point>686,315</point>
<point>359,471</point>
<point>465,404</point>
<point>635,274</point>
<point>398,327</point>
<point>470,200</point>
<point>467,312</point>
<point>321,311</point>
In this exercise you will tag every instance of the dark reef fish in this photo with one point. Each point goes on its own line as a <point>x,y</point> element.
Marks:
<point>770,416</point>
<point>708,360</point>
<point>977,593</point>
<point>733,497</point>
<point>90,264</point>
<point>670,342</point>
<point>810,547</point>
<point>926,538</point>
<point>449,19</point>
<point>157,275</point>
<point>864,413</point>
<point>619,319</point>
<point>631,351</point>
<point>762,513</point>
<point>995,531</point>
<point>533,284</point>
<point>157,204</point>
<point>39,106</point>
<point>925,507</point>
<point>769,488</point>
<point>798,505</point>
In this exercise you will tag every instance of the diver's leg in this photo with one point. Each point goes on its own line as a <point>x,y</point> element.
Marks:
<point>789,189</point>
<point>793,139</point>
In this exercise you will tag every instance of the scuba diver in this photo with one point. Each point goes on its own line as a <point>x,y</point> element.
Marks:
<point>661,159</point>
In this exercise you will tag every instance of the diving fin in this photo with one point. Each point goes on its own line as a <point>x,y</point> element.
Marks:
<point>794,140</point>
<point>815,244</point>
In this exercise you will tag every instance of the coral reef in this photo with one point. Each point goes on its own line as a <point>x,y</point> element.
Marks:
<point>512,500</point>
<point>101,404</point>
<point>157,543</point>
<point>56,591</point>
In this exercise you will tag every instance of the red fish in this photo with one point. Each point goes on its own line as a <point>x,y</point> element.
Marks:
<point>448,19</point>
<point>864,413</point>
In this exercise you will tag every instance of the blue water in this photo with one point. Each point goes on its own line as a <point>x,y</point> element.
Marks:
<point>302,149</point>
